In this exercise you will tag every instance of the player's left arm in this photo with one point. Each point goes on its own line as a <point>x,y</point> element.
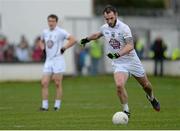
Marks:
<point>70,42</point>
<point>128,40</point>
<point>129,46</point>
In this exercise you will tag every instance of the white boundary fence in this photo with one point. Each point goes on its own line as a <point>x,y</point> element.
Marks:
<point>33,71</point>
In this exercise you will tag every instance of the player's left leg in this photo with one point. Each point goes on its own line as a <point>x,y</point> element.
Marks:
<point>58,84</point>
<point>145,83</point>
<point>44,84</point>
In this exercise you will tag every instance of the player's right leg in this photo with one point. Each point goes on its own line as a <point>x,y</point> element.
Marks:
<point>120,81</point>
<point>44,89</point>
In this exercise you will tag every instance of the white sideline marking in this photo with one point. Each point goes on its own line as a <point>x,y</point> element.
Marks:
<point>19,126</point>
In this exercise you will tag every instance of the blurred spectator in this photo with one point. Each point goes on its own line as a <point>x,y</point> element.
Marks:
<point>83,66</point>
<point>9,54</point>
<point>77,50</point>
<point>87,62</point>
<point>36,51</point>
<point>175,54</point>
<point>22,50</point>
<point>3,40</point>
<point>3,44</point>
<point>139,47</point>
<point>81,59</point>
<point>159,49</point>
<point>96,55</point>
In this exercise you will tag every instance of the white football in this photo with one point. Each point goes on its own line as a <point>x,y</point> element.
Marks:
<point>120,118</point>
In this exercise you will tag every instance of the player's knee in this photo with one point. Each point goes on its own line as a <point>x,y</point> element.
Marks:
<point>120,91</point>
<point>57,83</point>
<point>119,85</point>
<point>44,83</point>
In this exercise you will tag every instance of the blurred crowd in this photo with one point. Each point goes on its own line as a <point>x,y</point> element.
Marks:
<point>155,50</point>
<point>158,52</point>
<point>88,60</point>
<point>21,52</point>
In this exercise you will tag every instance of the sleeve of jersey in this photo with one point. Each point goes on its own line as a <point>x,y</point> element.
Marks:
<point>66,34</point>
<point>127,35</point>
<point>101,30</point>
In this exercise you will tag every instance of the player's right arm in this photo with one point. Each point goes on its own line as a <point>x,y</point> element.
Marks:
<point>94,36</point>
<point>42,45</point>
<point>42,41</point>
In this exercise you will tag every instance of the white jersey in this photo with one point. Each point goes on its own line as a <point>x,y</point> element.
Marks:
<point>54,40</point>
<point>116,39</point>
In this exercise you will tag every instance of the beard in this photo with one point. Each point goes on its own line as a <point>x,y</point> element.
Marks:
<point>112,24</point>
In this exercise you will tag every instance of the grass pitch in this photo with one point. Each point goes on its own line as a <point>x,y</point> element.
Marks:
<point>89,103</point>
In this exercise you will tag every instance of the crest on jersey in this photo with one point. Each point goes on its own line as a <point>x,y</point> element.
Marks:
<point>114,43</point>
<point>50,44</point>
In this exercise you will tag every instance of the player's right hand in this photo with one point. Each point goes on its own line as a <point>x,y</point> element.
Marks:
<point>84,41</point>
<point>44,54</point>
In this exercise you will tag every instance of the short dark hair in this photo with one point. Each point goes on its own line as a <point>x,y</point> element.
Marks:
<point>53,16</point>
<point>109,8</point>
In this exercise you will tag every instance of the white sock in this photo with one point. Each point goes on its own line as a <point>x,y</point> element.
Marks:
<point>45,104</point>
<point>57,103</point>
<point>125,107</point>
<point>151,97</point>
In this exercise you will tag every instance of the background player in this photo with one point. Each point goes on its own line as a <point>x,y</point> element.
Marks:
<point>52,41</point>
<point>124,58</point>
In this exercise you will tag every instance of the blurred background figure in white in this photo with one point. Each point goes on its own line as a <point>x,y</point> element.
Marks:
<point>23,51</point>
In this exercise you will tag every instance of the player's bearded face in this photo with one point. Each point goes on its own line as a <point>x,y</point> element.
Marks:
<point>110,18</point>
<point>52,23</point>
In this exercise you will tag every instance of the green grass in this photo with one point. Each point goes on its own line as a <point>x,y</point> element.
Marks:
<point>89,103</point>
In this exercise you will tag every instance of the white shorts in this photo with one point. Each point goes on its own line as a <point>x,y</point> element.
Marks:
<point>134,68</point>
<point>54,66</point>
